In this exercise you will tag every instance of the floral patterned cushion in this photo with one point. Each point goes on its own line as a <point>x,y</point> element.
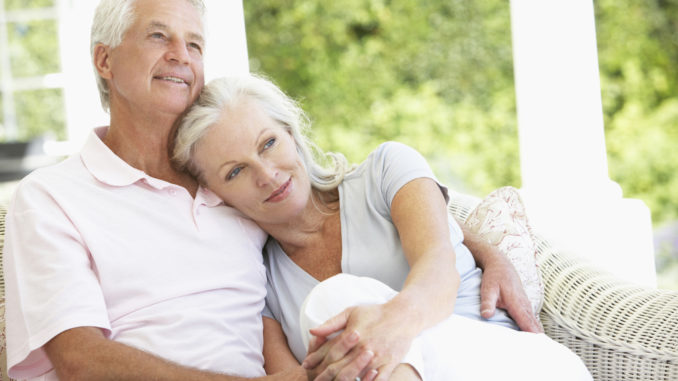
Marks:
<point>501,220</point>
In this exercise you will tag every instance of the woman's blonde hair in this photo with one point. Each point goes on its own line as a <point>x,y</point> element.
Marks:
<point>227,93</point>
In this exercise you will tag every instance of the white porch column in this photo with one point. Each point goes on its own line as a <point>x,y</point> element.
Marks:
<point>226,52</point>
<point>566,186</point>
<point>81,96</point>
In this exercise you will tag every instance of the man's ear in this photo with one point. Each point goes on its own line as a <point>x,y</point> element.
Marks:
<point>102,60</point>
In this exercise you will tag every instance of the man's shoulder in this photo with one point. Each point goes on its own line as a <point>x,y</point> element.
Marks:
<point>63,176</point>
<point>64,171</point>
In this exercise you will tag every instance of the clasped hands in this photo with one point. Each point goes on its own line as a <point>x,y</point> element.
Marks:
<point>371,340</point>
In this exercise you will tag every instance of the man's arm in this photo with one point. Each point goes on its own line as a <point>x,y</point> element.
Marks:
<point>277,353</point>
<point>84,353</point>
<point>501,286</point>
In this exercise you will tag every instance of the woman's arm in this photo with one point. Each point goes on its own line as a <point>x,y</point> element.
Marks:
<point>419,213</point>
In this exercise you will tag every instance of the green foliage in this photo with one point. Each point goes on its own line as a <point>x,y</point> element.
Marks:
<point>438,75</point>
<point>2,117</point>
<point>34,48</point>
<point>639,80</point>
<point>40,112</point>
<point>25,4</point>
<point>433,74</point>
<point>34,52</point>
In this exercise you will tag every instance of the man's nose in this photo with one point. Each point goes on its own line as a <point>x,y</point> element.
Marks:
<point>178,51</point>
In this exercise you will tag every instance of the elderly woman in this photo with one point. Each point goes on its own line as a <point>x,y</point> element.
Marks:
<point>384,221</point>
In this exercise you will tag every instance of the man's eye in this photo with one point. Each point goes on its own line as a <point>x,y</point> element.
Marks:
<point>195,46</point>
<point>157,35</point>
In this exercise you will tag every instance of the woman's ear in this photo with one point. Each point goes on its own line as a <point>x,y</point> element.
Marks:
<point>102,60</point>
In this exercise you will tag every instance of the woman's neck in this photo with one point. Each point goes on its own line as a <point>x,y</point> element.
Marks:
<point>318,222</point>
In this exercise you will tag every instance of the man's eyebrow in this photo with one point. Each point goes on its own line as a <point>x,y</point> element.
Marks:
<point>156,25</point>
<point>159,25</point>
<point>197,37</point>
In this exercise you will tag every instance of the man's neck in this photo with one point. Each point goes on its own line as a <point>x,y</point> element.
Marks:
<point>144,145</point>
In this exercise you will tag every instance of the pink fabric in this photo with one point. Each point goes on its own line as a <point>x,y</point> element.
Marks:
<point>501,220</point>
<point>95,242</point>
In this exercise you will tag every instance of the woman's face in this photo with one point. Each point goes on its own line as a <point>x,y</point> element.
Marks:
<point>251,162</point>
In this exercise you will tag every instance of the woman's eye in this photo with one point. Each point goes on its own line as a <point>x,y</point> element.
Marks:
<point>269,143</point>
<point>157,35</point>
<point>233,173</point>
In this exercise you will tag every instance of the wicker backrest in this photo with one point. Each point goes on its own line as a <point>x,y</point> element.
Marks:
<point>3,354</point>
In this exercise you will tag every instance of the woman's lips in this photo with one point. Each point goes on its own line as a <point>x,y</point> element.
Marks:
<point>281,193</point>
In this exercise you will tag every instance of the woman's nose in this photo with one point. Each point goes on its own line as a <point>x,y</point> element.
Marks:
<point>266,174</point>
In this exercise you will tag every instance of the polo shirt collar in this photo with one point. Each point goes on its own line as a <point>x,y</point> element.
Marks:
<point>105,165</point>
<point>208,197</point>
<point>110,169</point>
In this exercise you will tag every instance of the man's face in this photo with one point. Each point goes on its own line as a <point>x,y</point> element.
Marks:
<point>158,67</point>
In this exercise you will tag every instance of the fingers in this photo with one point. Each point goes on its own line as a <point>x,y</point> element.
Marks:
<point>488,300</point>
<point>315,343</point>
<point>332,351</point>
<point>524,318</point>
<point>342,371</point>
<point>385,372</point>
<point>370,376</point>
<point>334,324</point>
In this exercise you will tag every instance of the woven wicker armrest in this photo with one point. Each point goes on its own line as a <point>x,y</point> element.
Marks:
<point>620,330</point>
<point>3,354</point>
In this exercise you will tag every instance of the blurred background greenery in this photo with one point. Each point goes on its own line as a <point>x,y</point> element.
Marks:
<point>435,74</point>
<point>438,74</point>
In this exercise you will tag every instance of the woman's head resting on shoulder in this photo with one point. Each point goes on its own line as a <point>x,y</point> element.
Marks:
<point>245,140</point>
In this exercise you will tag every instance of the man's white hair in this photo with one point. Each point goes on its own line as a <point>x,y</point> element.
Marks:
<point>112,19</point>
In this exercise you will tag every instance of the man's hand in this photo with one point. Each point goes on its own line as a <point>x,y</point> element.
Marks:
<point>501,287</point>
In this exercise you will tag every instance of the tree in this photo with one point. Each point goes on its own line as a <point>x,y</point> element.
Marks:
<point>438,75</point>
<point>434,74</point>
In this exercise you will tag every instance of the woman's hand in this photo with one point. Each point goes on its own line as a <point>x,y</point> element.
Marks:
<point>374,340</point>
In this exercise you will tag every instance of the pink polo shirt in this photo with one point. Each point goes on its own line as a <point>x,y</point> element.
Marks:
<point>92,241</point>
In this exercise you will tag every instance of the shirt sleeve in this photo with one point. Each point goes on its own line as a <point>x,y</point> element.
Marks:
<point>396,164</point>
<point>272,308</point>
<point>51,285</point>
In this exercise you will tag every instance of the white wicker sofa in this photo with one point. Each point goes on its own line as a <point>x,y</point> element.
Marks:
<point>621,331</point>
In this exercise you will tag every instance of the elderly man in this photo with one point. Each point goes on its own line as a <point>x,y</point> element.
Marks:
<point>119,267</point>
